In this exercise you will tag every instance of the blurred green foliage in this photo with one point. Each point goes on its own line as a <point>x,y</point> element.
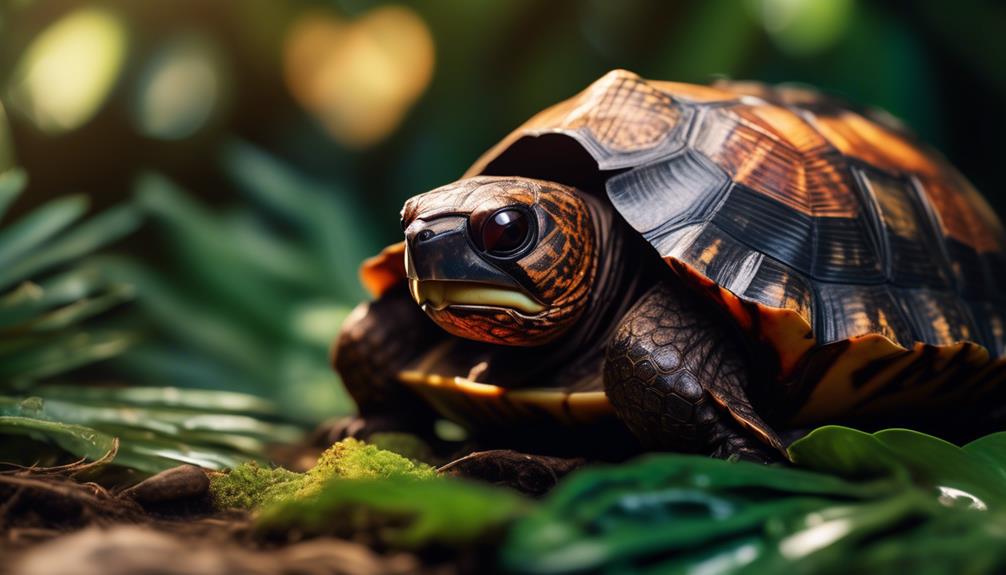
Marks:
<point>248,298</point>
<point>497,63</point>
<point>234,128</point>
<point>46,292</point>
<point>398,512</point>
<point>54,319</point>
<point>234,125</point>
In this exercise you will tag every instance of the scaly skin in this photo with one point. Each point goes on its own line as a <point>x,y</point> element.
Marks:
<point>677,379</point>
<point>376,342</point>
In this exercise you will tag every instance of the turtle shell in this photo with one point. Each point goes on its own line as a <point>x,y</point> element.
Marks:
<point>863,264</point>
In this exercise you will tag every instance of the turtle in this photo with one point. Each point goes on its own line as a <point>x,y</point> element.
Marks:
<point>702,267</point>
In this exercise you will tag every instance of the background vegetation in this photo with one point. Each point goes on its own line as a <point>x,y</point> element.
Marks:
<point>267,146</point>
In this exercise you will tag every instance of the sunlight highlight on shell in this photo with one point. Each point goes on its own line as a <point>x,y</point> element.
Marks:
<point>359,78</point>
<point>68,71</point>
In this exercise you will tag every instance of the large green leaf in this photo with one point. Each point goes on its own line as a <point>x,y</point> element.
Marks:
<point>976,470</point>
<point>78,440</point>
<point>196,400</point>
<point>402,512</point>
<point>172,422</point>
<point>159,428</point>
<point>886,500</point>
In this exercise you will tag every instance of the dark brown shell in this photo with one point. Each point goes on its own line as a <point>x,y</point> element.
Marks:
<point>852,253</point>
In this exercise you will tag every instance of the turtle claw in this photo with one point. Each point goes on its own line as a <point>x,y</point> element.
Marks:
<point>528,473</point>
<point>750,451</point>
<point>677,379</point>
<point>356,427</point>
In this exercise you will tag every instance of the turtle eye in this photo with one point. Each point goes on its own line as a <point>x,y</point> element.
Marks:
<point>505,232</point>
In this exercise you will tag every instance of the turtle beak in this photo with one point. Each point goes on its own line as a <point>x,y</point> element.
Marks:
<point>444,270</point>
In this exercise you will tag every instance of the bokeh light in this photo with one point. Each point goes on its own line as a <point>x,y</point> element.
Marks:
<point>804,27</point>
<point>180,89</point>
<point>359,78</point>
<point>68,71</point>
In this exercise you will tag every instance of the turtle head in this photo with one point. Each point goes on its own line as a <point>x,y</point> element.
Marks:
<point>503,260</point>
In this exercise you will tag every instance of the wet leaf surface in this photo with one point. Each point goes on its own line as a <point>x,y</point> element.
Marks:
<point>889,501</point>
<point>978,468</point>
<point>78,440</point>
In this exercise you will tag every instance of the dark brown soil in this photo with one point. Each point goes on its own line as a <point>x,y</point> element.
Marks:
<point>54,521</point>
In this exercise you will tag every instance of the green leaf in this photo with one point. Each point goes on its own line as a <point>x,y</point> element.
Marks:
<point>185,319</point>
<point>39,226</point>
<point>33,358</point>
<point>78,440</point>
<point>81,240</point>
<point>170,422</point>
<point>158,432</point>
<point>30,299</point>
<point>930,462</point>
<point>79,310</point>
<point>685,514</point>
<point>403,512</point>
<point>196,400</point>
<point>337,228</point>
<point>210,254</point>
<point>624,515</point>
<point>992,450</point>
<point>152,452</point>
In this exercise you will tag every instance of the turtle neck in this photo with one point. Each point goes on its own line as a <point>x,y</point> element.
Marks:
<point>618,282</point>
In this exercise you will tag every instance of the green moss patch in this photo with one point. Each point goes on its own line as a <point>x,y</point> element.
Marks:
<point>251,485</point>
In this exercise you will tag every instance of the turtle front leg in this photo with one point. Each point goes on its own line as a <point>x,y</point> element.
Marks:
<point>376,341</point>
<point>677,379</point>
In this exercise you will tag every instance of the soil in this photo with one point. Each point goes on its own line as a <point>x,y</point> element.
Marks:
<point>53,521</point>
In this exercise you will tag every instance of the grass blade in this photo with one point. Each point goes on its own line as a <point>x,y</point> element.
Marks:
<point>39,226</point>
<point>84,239</point>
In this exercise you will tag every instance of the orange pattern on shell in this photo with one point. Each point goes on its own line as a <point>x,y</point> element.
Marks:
<point>791,147</point>
<point>621,111</point>
<point>857,137</point>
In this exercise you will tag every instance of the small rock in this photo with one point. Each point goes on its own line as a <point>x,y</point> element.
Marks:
<point>118,551</point>
<point>175,484</point>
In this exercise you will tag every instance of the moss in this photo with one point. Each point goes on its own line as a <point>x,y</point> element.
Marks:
<point>354,459</point>
<point>249,485</point>
<point>404,444</point>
